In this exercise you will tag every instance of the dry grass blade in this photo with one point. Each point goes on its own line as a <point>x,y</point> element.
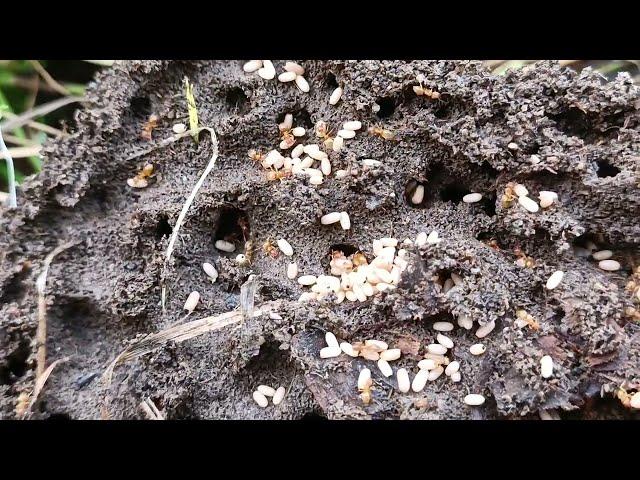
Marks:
<point>41,380</point>
<point>180,333</point>
<point>26,117</point>
<point>41,332</point>
<point>150,409</point>
<point>187,204</point>
<point>49,80</point>
<point>20,152</point>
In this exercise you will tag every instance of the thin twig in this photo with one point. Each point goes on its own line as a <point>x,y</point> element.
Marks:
<point>26,117</point>
<point>41,333</point>
<point>49,80</point>
<point>11,173</point>
<point>187,204</point>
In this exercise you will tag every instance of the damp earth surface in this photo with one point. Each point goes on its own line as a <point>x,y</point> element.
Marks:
<point>545,127</point>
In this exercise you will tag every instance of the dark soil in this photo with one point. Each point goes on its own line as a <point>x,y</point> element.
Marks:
<point>105,291</point>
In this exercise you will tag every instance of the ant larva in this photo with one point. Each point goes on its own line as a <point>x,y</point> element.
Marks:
<point>382,133</point>
<point>148,127</point>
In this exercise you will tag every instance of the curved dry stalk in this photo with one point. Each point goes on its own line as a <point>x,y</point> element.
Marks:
<point>187,204</point>
<point>41,332</point>
<point>40,382</point>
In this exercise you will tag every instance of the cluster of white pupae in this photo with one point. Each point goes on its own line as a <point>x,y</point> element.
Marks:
<point>547,198</point>
<point>266,70</point>
<point>307,160</point>
<point>355,279</point>
<point>430,368</point>
<point>264,391</point>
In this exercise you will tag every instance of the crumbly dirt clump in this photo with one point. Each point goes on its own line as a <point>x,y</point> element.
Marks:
<point>574,134</point>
